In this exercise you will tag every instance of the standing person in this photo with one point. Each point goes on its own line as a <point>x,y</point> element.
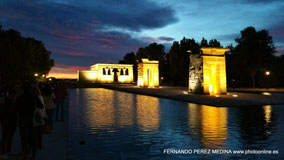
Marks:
<point>60,93</point>
<point>39,125</point>
<point>9,125</point>
<point>25,105</point>
<point>49,99</point>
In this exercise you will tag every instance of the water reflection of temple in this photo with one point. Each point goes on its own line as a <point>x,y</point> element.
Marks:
<point>209,124</point>
<point>147,112</point>
<point>107,108</point>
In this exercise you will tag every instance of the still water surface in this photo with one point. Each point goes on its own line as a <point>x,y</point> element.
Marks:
<point>118,125</point>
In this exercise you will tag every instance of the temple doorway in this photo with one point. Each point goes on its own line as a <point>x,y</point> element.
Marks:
<point>115,76</point>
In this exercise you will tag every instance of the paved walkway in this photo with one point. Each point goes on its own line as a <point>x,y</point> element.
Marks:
<point>232,99</point>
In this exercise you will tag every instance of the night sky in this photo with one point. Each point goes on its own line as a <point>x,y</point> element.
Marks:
<point>81,33</point>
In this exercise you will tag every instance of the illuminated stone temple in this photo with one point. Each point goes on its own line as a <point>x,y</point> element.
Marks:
<point>148,73</point>
<point>207,72</point>
<point>107,73</point>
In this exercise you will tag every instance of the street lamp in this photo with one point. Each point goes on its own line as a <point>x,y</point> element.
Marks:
<point>267,73</point>
<point>36,74</point>
<point>43,75</point>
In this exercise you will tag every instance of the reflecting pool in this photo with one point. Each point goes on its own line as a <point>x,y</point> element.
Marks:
<point>107,124</point>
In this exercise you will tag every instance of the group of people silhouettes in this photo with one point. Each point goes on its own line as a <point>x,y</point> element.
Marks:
<point>30,107</point>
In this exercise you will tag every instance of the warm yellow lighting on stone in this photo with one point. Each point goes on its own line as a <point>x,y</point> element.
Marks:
<point>207,71</point>
<point>107,73</point>
<point>148,73</point>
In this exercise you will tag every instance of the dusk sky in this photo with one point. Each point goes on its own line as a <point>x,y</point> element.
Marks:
<point>80,33</point>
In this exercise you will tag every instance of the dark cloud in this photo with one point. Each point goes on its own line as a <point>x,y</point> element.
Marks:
<point>277,33</point>
<point>157,40</point>
<point>228,37</point>
<point>77,30</point>
<point>277,30</point>
<point>131,15</point>
<point>168,39</point>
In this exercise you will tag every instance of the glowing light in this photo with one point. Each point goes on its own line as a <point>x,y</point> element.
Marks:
<point>185,92</point>
<point>217,95</point>
<point>107,73</point>
<point>213,126</point>
<point>213,81</point>
<point>266,93</point>
<point>210,88</point>
<point>92,75</point>
<point>50,79</point>
<point>147,112</point>
<point>36,74</point>
<point>43,75</point>
<point>235,95</point>
<point>267,113</point>
<point>267,73</point>
<point>148,73</point>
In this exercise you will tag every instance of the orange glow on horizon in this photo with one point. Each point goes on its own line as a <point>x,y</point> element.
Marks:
<point>63,75</point>
<point>60,71</point>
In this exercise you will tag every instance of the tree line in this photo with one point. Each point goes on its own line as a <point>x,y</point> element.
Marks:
<point>21,58</point>
<point>246,63</point>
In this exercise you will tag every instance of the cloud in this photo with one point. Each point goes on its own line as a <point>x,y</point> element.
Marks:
<point>76,29</point>
<point>131,15</point>
<point>157,40</point>
<point>167,39</point>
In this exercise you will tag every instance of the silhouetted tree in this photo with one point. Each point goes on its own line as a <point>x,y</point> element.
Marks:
<point>179,60</point>
<point>214,43</point>
<point>252,56</point>
<point>204,43</point>
<point>130,58</point>
<point>153,51</point>
<point>21,57</point>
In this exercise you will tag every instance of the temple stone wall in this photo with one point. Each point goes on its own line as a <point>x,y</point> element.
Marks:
<point>148,73</point>
<point>195,73</point>
<point>207,71</point>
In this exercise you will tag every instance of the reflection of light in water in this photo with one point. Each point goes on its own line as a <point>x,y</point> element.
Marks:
<point>213,126</point>
<point>100,110</point>
<point>266,93</point>
<point>194,115</point>
<point>147,112</point>
<point>267,113</point>
<point>124,109</point>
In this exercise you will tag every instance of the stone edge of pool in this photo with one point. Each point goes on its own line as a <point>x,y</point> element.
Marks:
<point>240,98</point>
